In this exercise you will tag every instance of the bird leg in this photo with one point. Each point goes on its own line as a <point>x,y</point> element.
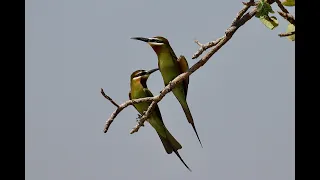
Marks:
<point>139,117</point>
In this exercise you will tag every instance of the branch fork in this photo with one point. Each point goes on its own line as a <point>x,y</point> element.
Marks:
<point>286,15</point>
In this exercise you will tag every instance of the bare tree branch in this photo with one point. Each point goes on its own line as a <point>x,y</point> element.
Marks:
<point>281,6</point>
<point>204,47</point>
<point>228,35</point>
<point>121,107</point>
<point>287,34</point>
<point>241,19</point>
<point>285,13</point>
<point>288,17</point>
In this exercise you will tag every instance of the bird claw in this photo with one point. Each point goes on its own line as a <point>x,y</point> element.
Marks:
<point>138,118</point>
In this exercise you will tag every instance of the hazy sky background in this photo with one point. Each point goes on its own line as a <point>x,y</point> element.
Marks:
<point>242,100</point>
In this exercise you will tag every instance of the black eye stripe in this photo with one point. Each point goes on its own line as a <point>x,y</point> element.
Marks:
<point>140,74</point>
<point>156,40</point>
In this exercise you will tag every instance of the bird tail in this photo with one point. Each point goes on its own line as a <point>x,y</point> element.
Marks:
<point>171,144</point>
<point>187,112</point>
<point>181,159</point>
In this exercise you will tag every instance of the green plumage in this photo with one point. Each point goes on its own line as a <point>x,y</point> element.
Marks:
<point>155,119</point>
<point>170,67</point>
<point>139,89</point>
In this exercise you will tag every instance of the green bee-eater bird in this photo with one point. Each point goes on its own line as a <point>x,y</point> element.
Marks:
<point>138,90</point>
<point>170,67</point>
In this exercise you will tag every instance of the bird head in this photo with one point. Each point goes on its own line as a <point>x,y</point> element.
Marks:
<point>141,76</point>
<point>157,43</point>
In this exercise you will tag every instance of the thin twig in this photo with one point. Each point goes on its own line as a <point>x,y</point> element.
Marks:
<point>285,13</point>
<point>250,3</point>
<point>281,6</point>
<point>109,98</point>
<point>287,34</point>
<point>247,5</point>
<point>288,17</point>
<point>204,47</point>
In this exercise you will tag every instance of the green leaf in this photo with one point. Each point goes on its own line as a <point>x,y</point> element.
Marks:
<point>291,28</point>
<point>269,22</point>
<point>263,8</point>
<point>288,3</point>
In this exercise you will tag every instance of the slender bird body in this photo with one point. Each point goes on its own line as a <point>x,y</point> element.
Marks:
<point>138,90</point>
<point>170,67</point>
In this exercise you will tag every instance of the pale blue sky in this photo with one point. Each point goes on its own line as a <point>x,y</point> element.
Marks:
<point>242,100</point>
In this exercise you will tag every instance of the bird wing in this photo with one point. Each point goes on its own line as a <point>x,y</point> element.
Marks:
<point>183,65</point>
<point>172,53</point>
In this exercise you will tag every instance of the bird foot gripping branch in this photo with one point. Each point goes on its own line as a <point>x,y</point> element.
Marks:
<point>142,118</point>
<point>139,118</point>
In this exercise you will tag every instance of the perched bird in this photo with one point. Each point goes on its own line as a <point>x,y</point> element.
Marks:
<point>170,67</point>
<point>139,89</point>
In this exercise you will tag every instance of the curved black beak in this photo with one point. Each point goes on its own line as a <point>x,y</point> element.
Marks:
<point>152,71</point>
<point>141,39</point>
